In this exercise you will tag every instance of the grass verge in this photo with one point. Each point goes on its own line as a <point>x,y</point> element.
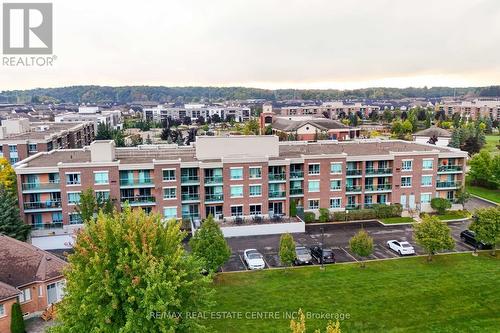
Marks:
<point>396,220</point>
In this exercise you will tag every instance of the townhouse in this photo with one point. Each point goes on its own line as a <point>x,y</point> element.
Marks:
<point>20,138</point>
<point>237,177</point>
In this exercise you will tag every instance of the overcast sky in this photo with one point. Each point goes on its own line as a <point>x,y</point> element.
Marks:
<point>339,44</point>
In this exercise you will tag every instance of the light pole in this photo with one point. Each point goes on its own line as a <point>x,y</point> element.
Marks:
<point>322,245</point>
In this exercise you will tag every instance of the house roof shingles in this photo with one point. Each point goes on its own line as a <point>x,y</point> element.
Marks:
<point>288,125</point>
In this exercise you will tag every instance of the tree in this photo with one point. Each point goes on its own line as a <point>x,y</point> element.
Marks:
<point>10,221</point>
<point>251,127</point>
<point>209,244</point>
<point>299,326</point>
<point>362,245</point>
<point>440,205</point>
<point>433,235</point>
<point>387,115</point>
<point>486,225</point>
<point>186,121</point>
<point>485,170</point>
<point>462,196</point>
<point>125,269</point>
<point>287,249</point>
<point>8,176</point>
<point>165,133</point>
<point>17,321</point>
<point>89,205</point>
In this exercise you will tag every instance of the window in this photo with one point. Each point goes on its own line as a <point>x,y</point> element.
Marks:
<point>407,165</point>
<point>12,149</point>
<point>2,310</point>
<point>32,148</point>
<point>236,210</point>
<point>255,172</point>
<point>25,295</point>
<point>427,164</point>
<point>101,178</point>
<point>426,180</point>
<point>170,212</point>
<point>313,186</point>
<point>255,190</point>
<point>425,198</point>
<point>236,191</point>
<point>256,209</point>
<point>75,218</point>
<point>73,198</point>
<point>168,175</point>
<point>102,195</point>
<point>335,184</point>
<point>13,160</point>
<point>236,173</point>
<point>40,291</point>
<point>314,169</point>
<point>169,193</point>
<point>335,202</point>
<point>336,168</point>
<point>405,181</point>
<point>313,204</point>
<point>73,179</point>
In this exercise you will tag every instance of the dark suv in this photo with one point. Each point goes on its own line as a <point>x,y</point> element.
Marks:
<point>469,237</point>
<point>328,255</point>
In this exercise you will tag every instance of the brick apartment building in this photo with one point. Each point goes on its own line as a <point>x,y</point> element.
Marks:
<point>237,176</point>
<point>30,276</point>
<point>471,109</point>
<point>20,139</point>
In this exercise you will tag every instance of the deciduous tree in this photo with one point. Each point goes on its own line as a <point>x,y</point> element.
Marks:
<point>440,205</point>
<point>486,225</point>
<point>8,176</point>
<point>433,235</point>
<point>362,245</point>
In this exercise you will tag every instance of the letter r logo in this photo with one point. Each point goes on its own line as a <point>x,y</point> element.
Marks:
<point>27,28</point>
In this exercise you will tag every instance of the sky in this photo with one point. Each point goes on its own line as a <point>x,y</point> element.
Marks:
<point>339,44</point>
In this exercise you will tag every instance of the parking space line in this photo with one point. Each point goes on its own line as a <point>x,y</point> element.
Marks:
<point>265,262</point>
<point>388,251</point>
<point>350,255</point>
<point>243,262</point>
<point>467,246</point>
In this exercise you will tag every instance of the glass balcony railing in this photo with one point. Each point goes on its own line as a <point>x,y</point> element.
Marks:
<point>45,226</point>
<point>41,186</point>
<point>296,174</point>
<point>449,168</point>
<point>355,188</point>
<point>277,194</point>
<point>139,200</point>
<point>189,179</point>
<point>136,181</point>
<point>296,191</point>
<point>213,180</point>
<point>353,172</point>
<point>214,197</point>
<point>380,171</point>
<point>190,196</point>
<point>277,176</point>
<point>379,187</point>
<point>447,184</point>
<point>352,206</point>
<point>190,216</point>
<point>49,204</point>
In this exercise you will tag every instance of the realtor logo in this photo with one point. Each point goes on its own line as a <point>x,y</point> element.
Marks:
<point>27,28</point>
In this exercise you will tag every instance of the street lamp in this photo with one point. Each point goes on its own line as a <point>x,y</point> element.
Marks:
<point>322,245</point>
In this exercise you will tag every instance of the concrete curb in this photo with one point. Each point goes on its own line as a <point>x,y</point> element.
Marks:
<point>343,222</point>
<point>484,199</point>
<point>457,220</point>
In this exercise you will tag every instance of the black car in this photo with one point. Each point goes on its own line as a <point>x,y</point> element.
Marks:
<point>469,237</point>
<point>328,255</point>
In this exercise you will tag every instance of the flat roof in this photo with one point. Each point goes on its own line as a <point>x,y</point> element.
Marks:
<point>53,129</point>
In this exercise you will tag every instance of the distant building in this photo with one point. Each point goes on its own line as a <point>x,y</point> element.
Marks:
<point>471,109</point>
<point>433,135</point>
<point>30,276</point>
<point>20,138</point>
<point>161,112</point>
<point>112,118</point>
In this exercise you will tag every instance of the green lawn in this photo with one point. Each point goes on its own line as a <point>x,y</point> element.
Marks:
<point>396,220</point>
<point>491,143</point>
<point>453,215</point>
<point>454,293</point>
<point>493,195</point>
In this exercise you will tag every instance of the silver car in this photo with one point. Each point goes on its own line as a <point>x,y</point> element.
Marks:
<point>302,256</point>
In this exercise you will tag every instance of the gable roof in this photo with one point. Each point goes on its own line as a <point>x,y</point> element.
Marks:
<point>23,263</point>
<point>434,131</point>
<point>323,124</point>
<point>7,292</point>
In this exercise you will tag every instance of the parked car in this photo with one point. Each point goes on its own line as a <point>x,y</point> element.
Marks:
<point>302,256</point>
<point>328,255</point>
<point>403,248</point>
<point>469,237</point>
<point>253,259</point>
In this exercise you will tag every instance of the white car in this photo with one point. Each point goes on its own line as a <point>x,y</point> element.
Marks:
<point>253,259</point>
<point>403,248</point>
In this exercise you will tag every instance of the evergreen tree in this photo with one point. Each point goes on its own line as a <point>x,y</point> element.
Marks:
<point>17,321</point>
<point>10,219</point>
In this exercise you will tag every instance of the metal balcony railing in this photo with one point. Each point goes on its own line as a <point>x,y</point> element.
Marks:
<point>380,171</point>
<point>214,197</point>
<point>190,179</point>
<point>45,226</point>
<point>448,168</point>
<point>296,174</point>
<point>139,200</point>
<point>355,188</point>
<point>190,196</point>
<point>379,187</point>
<point>41,186</point>
<point>296,191</point>
<point>447,184</point>
<point>49,204</point>
<point>277,176</point>
<point>213,180</point>
<point>277,194</point>
<point>353,172</point>
<point>136,181</point>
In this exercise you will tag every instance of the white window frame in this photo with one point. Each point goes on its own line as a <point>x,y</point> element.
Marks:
<point>235,168</point>
<point>340,202</point>
<point>428,159</point>
<point>402,165</point>
<point>314,181</point>
<point>336,190</point>
<point>426,193</point>
<point>67,197</point>
<point>421,179</point>
<point>411,181</point>
<point>336,173</point>
<point>168,180</point>
<point>100,191</point>
<point>103,171</point>
<point>40,291</point>
<point>242,191</point>
<point>309,170</point>
<point>170,207</point>
<point>169,187</point>
<point>254,204</point>
<point>3,313</point>
<point>313,199</point>
<point>250,193</point>
<point>72,173</point>
<point>22,296</point>
<point>234,206</point>
<point>254,167</point>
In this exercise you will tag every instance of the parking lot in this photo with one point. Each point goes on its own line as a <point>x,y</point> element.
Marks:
<point>335,236</point>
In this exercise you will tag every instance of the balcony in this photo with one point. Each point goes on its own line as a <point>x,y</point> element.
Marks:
<point>277,194</point>
<point>447,185</point>
<point>376,172</point>
<point>191,216</point>
<point>210,198</point>
<point>47,226</point>
<point>378,188</point>
<point>48,205</point>
<point>353,173</point>
<point>296,191</point>
<point>296,174</point>
<point>190,179</point>
<point>41,187</point>
<point>142,200</point>
<point>190,197</point>
<point>352,207</point>
<point>137,182</point>
<point>450,169</point>
<point>213,180</point>
<point>353,189</point>
<point>277,177</point>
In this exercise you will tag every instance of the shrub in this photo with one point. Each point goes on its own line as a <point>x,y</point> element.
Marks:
<point>339,216</point>
<point>293,208</point>
<point>309,217</point>
<point>324,215</point>
<point>17,321</point>
<point>440,205</point>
